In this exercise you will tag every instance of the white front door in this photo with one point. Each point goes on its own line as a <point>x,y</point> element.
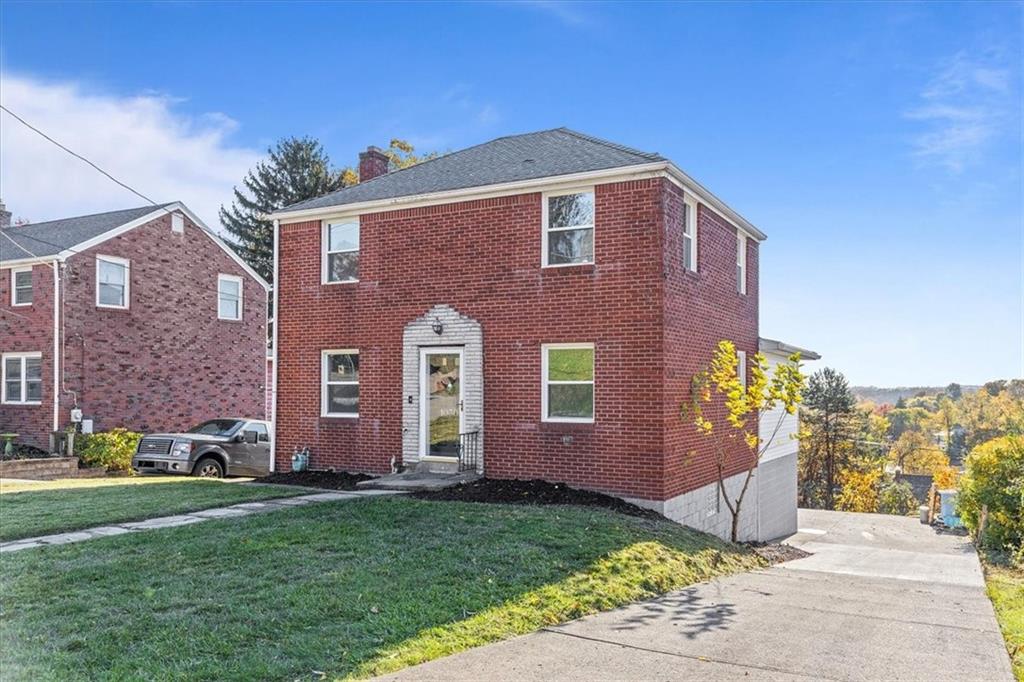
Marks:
<point>441,401</point>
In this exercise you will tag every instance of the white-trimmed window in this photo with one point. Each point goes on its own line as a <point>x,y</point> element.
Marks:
<point>741,262</point>
<point>690,234</point>
<point>113,282</point>
<point>177,223</point>
<point>229,297</point>
<point>568,220</point>
<point>340,383</point>
<point>21,285</point>
<point>341,250</point>
<point>741,367</point>
<point>567,377</point>
<point>22,378</point>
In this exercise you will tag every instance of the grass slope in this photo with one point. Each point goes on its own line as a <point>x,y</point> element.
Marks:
<point>27,510</point>
<point>1005,588</point>
<point>350,588</point>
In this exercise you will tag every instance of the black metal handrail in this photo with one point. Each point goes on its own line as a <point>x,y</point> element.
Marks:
<point>469,450</point>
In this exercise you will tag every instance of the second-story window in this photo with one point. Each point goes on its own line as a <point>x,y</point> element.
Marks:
<point>341,251</point>
<point>21,286</point>
<point>741,367</point>
<point>690,235</point>
<point>229,297</point>
<point>741,262</point>
<point>568,228</point>
<point>112,282</point>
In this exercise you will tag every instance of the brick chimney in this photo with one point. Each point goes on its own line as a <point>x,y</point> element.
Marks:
<point>5,216</point>
<point>372,163</point>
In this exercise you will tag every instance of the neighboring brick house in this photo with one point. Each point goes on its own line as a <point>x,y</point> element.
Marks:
<point>155,322</point>
<point>551,292</point>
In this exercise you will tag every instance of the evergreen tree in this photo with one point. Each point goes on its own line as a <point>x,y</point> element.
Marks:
<point>296,169</point>
<point>830,424</point>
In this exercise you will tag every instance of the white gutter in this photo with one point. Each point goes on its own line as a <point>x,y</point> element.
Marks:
<point>620,174</point>
<point>56,345</point>
<point>273,379</point>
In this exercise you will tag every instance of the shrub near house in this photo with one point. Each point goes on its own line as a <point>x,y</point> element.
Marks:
<point>112,450</point>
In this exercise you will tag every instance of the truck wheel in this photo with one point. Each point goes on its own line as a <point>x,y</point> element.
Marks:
<point>208,467</point>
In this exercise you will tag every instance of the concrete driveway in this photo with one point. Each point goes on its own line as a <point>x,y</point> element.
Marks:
<point>882,598</point>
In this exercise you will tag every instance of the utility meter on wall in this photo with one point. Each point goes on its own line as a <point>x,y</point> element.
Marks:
<point>76,415</point>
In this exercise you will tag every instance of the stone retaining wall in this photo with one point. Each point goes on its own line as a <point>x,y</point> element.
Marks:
<point>43,469</point>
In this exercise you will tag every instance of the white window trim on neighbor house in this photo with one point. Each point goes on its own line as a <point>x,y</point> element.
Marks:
<point>544,349</point>
<point>741,262</point>
<point>14,285</point>
<point>23,388</point>
<point>324,383</point>
<point>690,232</point>
<point>127,265</point>
<point>325,245</point>
<point>546,229</point>
<point>741,367</point>
<point>178,223</point>
<point>221,294</point>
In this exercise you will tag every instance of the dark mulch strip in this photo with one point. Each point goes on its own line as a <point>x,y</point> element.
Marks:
<point>777,552</point>
<point>330,480</point>
<point>498,491</point>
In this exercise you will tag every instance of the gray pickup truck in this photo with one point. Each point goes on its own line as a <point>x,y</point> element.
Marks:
<point>213,449</point>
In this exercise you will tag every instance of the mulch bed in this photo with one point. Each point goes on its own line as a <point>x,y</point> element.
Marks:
<point>330,480</point>
<point>497,491</point>
<point>778,552</point>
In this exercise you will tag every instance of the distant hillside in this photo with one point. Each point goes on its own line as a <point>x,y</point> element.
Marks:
<point>883,395</point>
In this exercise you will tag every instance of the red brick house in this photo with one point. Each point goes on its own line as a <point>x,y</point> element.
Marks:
<point>548,294</point>
<point>140,318</point>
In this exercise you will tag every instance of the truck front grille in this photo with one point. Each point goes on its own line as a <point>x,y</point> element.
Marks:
<point>155,446</point>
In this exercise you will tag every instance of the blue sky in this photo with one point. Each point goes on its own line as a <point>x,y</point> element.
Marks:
<point>878,145</point>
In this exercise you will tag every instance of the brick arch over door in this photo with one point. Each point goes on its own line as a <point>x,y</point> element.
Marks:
<point>459,330</point>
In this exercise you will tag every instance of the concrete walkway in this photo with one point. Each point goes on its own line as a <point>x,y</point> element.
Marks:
<point>235,510</point>
<point>882,598</point>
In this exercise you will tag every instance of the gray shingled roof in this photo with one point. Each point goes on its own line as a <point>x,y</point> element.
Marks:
<point>507,159</point>
<point>54,236</point>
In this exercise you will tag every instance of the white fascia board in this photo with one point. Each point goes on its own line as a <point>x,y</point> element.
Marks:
<point>665,169</point>
<point>159,212</point>
<point>18,262</point>
<point>622,173</point>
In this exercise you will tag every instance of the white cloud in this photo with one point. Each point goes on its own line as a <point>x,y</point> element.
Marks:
<point>140,140</point>
<point>964,108</point>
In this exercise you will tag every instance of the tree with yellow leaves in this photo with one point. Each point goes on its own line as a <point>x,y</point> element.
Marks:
<point>744,402</point>
<point>859,489</point>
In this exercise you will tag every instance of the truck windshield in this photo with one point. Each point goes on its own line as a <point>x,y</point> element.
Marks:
<point>216,427</point>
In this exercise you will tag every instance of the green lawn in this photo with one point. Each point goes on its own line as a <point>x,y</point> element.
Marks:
<point>29,509</point>
<point>350,588</point>
<point>1006,590</point>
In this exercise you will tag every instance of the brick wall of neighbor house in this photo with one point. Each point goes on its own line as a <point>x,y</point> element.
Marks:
<point>28,329</point>
<point>701,309</point>
<point>167,362</point>
<point>483,259</point>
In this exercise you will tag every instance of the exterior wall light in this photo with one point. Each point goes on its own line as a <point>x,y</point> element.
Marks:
<point>437,326</point>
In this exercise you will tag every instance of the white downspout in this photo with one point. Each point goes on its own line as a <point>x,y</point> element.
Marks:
<point>277,323</point>
<point>56,345</point>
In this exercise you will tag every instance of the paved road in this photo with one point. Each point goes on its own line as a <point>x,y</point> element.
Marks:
<point>882,598</point>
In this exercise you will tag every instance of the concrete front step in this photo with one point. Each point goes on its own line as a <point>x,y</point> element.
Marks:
<point>418,480</point>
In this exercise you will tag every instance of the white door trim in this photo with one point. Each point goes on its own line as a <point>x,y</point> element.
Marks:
<point>425,398</point>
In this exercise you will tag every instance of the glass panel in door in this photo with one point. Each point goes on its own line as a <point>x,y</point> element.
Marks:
<point>444,403</point>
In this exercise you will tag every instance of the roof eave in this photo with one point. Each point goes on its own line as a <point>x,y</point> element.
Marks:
<point>770,345</point>
<point>636,171</point>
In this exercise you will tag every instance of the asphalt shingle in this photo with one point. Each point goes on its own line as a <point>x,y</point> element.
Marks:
<point>54,236</point>
<point>507,159</point>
